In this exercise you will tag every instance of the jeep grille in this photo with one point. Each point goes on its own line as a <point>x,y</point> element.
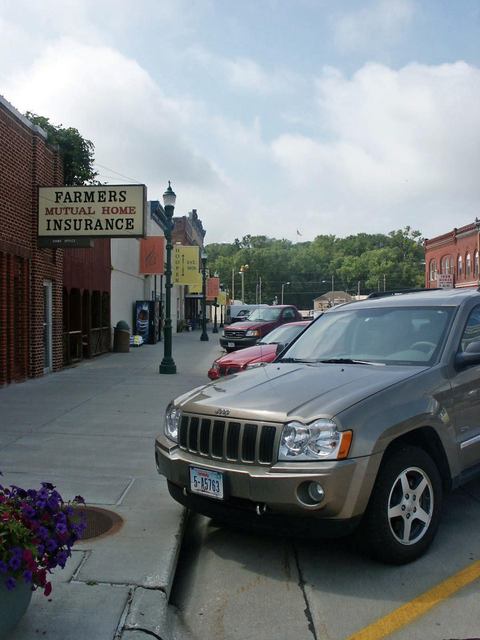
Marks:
<point>229,440</point>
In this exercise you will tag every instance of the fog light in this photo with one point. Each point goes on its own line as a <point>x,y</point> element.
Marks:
<point>316,492</point>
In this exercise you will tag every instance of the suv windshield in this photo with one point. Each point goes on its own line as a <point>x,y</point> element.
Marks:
<point>264,315</point>
<point>400,335</point>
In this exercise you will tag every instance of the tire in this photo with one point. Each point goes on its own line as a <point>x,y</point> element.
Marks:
<point>403,514</point>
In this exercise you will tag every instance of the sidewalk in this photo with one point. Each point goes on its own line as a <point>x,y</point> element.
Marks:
<point>90,430</point>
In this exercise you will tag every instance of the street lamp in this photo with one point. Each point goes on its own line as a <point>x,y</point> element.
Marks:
<point>168,365</point>
<point>204,336</point>
<point>243,268</point>
<point>221,308</point>
<point>283,285</point>
<point>215,326</point>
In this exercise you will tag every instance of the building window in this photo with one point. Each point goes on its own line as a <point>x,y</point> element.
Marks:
<point>447,265</point>
<point>459,266</point>
<point>475,264</point>
<point>433,270</point>
<point>468,265</point>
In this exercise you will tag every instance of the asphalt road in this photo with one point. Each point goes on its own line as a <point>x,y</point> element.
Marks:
<point>237,585</point>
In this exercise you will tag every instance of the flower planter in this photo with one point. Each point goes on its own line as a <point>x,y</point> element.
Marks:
<point>13,605</point>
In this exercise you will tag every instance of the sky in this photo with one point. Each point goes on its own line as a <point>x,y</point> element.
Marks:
<point>284,118</point>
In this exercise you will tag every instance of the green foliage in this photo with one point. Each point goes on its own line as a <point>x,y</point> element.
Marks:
<point>364,262</point>
<point>77,152</point>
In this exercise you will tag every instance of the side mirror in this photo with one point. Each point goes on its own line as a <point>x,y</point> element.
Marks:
<point>469,357</point>
<point>280,348</point>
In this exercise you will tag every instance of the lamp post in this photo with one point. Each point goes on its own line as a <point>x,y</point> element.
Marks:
<point>283,285</point>
<point>243,268</point>
<point>204,336</point>
<point>215,326</point>
<point>168,365</point>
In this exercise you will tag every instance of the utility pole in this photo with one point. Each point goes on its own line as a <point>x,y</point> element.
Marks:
<point>384,282</point>
<point>233,284</point>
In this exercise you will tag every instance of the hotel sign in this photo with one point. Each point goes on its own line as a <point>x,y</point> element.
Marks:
<point>100,211</point>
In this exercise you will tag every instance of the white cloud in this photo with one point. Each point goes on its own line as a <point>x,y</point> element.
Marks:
<point>114,102</point>
<point>387,147</point>
<point>404,148</point>
<point>381,22</point>
<point>244,74</point>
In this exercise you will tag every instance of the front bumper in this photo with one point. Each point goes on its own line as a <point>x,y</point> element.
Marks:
<point>239,343</point>
<point>277,490</point>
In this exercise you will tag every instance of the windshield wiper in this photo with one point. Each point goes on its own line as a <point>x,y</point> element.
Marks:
<point>345,361</point>
<point>295,360</point>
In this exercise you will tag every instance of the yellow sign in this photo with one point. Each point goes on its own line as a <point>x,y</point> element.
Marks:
<point>186,265</point>
<point>196,287</point>
<point>222,298</point>
<point>108,211</point>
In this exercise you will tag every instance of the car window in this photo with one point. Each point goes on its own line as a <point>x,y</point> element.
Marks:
<point>472,329</point>
<point>399,335</point>
<point>289,314</point>
<point>283,335</point>
<point>265,315</point>
<point>243,312</point>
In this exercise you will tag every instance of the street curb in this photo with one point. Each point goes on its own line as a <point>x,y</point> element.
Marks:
<point>148,609</point>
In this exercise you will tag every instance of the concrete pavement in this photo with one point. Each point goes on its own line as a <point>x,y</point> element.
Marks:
<point>90,430</point>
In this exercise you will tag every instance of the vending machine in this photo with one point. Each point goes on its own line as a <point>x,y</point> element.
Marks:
<point>146,321</point>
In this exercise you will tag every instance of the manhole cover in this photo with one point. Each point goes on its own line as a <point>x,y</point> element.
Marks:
<point>100,522</point>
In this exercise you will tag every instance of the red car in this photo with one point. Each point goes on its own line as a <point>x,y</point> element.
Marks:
<point>260,322</point>
<point>264,351</point>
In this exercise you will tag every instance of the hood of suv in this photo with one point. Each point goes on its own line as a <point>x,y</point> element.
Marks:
<point>281,391</point>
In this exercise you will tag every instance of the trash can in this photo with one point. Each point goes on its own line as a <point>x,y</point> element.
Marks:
<point>121,337</point>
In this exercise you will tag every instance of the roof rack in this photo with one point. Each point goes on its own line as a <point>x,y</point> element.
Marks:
<point>398,292</point>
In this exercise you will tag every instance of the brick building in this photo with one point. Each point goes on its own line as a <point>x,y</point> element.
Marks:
<point>454,256</point>
<point>188,230</point>
<point>30,278</point>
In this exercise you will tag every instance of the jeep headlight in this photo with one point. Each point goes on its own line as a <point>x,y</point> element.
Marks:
<point>320,440</point>
<point>173,415</point>
<point>253,333</point>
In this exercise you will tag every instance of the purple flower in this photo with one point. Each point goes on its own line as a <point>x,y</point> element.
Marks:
<point>52,503</point>
<point>15,563</point>
<point>27,576</point>
<point>41,504</point>
<point>51,545</point>
<point>61,528</point>
<point>41,549</point>
<point>62,557</point>
<point>43,533</point>
<point>28,511</point>
<point>3,567</point>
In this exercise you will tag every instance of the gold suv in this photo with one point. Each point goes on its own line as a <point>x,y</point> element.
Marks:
<point>366,420</point>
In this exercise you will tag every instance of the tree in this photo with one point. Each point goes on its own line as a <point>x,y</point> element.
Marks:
<point>77,152</point>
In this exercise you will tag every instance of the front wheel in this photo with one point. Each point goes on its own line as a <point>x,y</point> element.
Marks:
<point>404,509</point>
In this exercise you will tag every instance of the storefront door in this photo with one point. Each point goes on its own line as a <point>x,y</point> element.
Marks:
<point>47,326</point>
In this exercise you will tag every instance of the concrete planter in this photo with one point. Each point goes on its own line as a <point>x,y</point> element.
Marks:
<point>13,605</point>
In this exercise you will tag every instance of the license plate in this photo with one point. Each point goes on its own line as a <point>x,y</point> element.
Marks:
<point>206,483</point>
<point>230,344</point>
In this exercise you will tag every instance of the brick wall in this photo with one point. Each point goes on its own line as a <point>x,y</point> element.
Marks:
<point>450,252</point>
<point>26,162</point>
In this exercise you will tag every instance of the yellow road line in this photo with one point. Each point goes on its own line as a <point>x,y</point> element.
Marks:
<point>409,612</point>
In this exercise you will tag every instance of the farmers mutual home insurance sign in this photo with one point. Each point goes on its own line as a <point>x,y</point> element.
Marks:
<point>108,211</point>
